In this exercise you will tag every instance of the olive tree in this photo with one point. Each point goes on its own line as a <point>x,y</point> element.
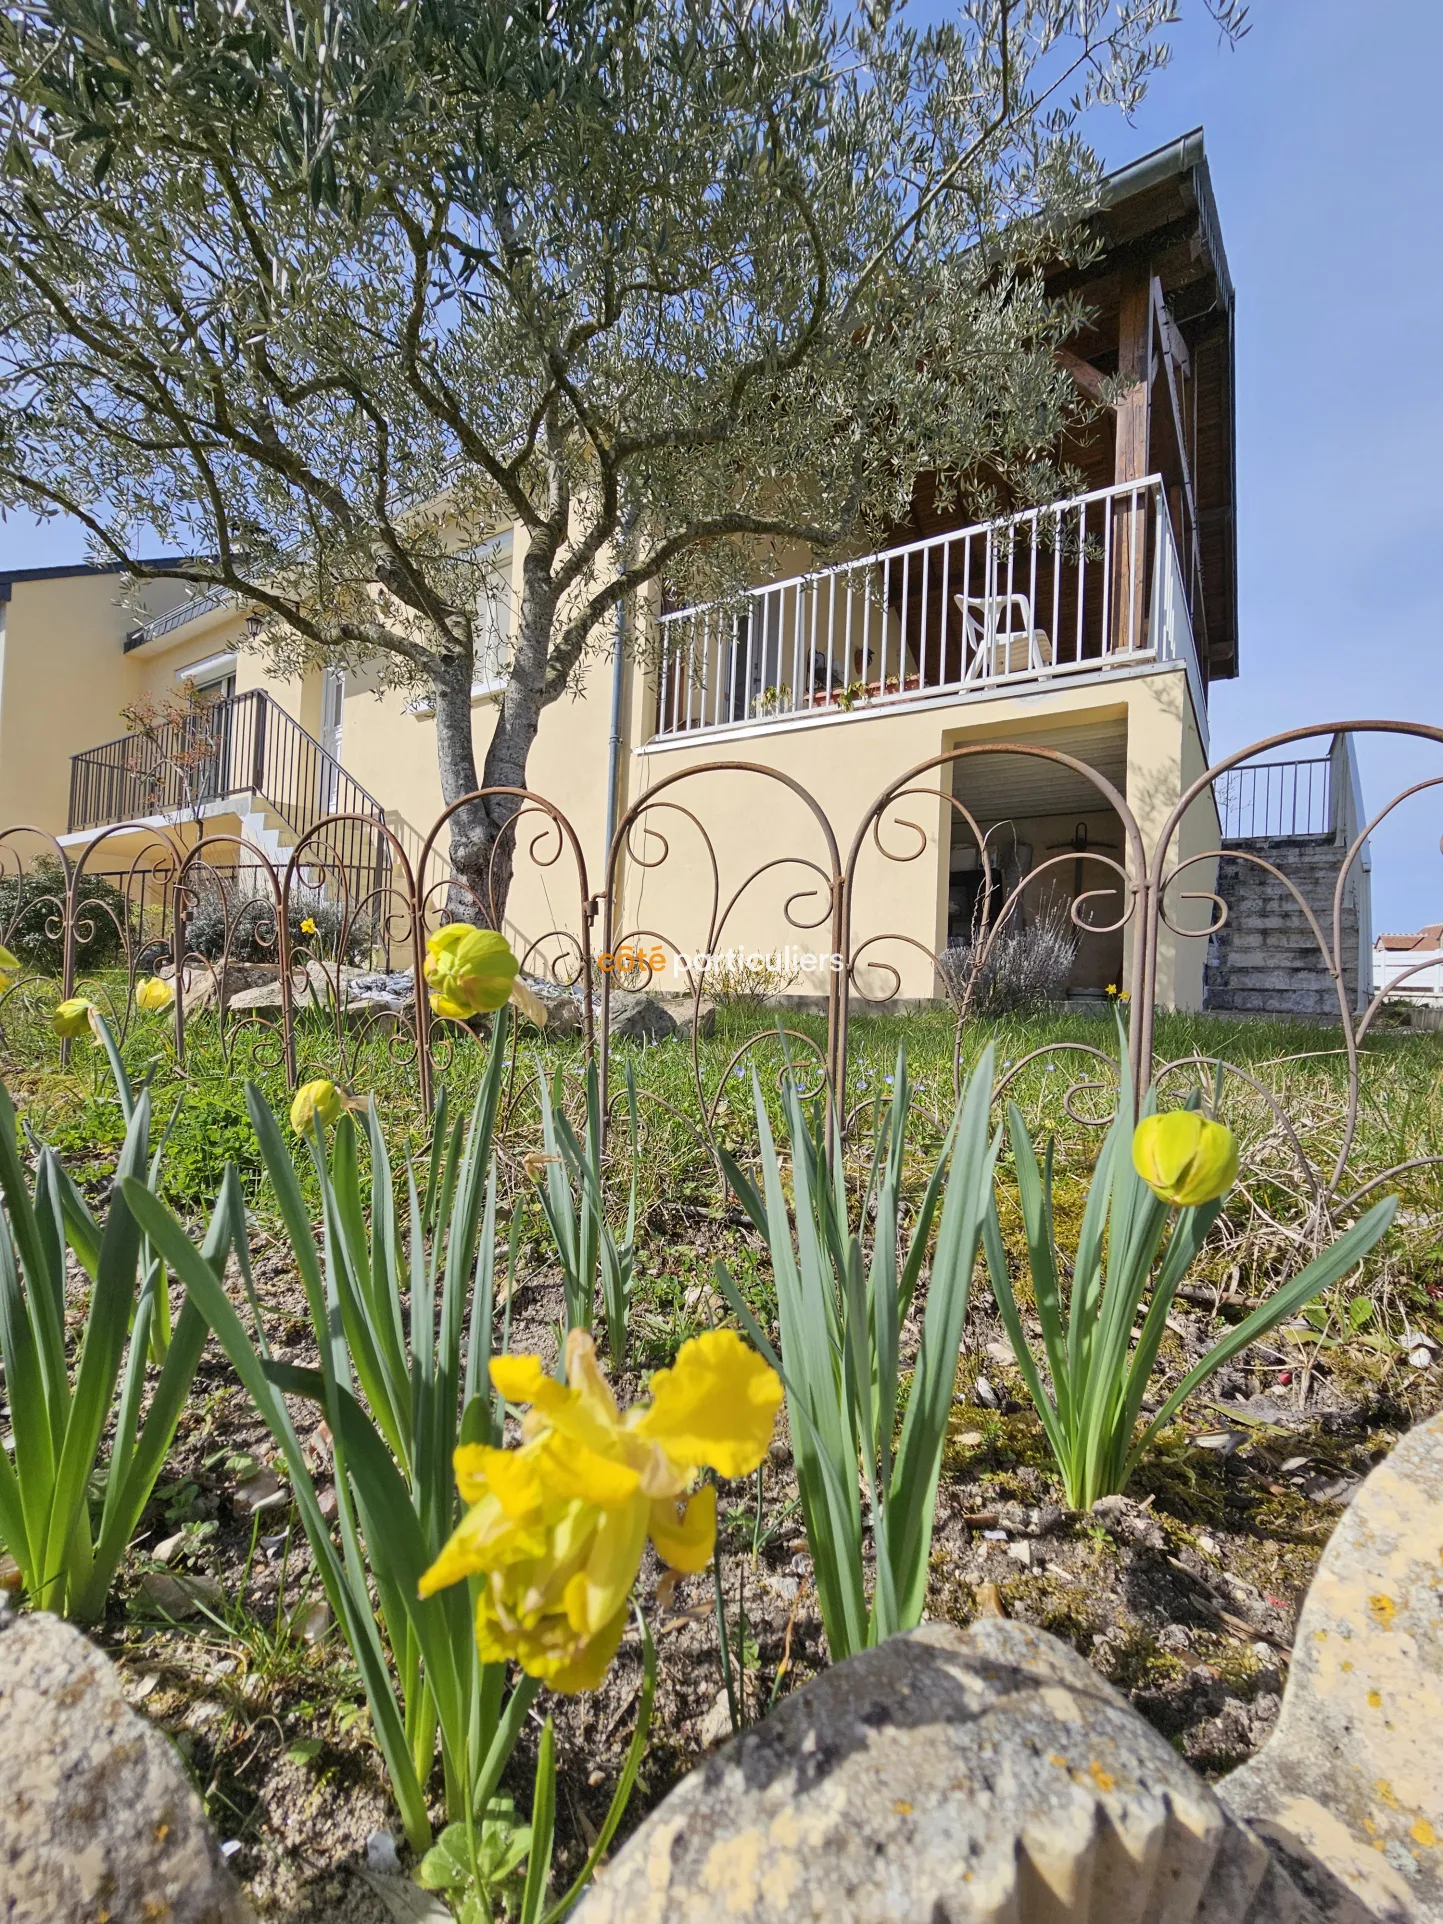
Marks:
<point>325,295</point>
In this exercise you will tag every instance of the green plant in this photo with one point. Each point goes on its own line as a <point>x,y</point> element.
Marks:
<point>53,1467</point>
<point>221,922</point>
<point>573,1200</point>
<point>1132,1249</point>
<point>398,1396</point>
<point>841,1307</point>
<point>425,1390</point>
<point>32,912</point>
<point>503,1844</point>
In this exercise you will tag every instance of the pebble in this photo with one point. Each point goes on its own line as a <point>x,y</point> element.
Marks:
<point>716,1725</point>
<point>381,1854</point>
<point>986,1395</point>
<point>260,1493</point>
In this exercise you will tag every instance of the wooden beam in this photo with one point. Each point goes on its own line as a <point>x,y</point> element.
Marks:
<point>1134,365</point>
<point>1130,460</point>
<point>1087,377</point>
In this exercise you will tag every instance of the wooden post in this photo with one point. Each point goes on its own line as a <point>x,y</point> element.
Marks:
<point>1129,532</point>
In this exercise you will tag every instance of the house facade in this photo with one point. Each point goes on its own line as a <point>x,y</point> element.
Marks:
<point>1090,629</point>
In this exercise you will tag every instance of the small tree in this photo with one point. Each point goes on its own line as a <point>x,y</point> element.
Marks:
<point>327,296</point>
<point>179,764</point>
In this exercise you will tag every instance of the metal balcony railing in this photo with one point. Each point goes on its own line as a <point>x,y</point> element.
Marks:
<point>1276,798</point>
<point>176,617</point>
<point>243,745</point>
<point>1074,588</point>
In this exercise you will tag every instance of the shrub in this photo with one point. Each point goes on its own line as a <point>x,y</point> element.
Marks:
<point>1025,967</point>
<point>30,920</point>
<point>251,923</point>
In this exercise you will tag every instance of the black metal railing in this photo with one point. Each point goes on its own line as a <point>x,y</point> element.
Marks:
<point>243,745</point>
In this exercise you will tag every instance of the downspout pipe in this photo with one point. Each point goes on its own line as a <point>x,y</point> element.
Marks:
<point>618,678</point>
<point>613,746</point>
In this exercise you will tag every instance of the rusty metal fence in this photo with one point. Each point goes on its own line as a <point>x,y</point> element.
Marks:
<point>324,939</point>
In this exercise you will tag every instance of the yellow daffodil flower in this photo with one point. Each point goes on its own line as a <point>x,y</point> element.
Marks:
<point>152,994</point>
<point>73,1017</point>
<point>1183,1158</point>
<point>468,970</point>
<point>308,926</point>
<point>318,1098</point>
<point>557,1527</point>
<point>471,971</point>
<point>9,965</point>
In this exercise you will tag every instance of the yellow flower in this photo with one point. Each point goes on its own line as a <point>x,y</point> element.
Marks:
<point>308,926</point>
<point>1183,1158</point>
<point>557,1527</point>
<point>9,965</point>
<point>73,1017</point>
<point>318,1098</point>
<point>469,970</point>
<point>152,994</point>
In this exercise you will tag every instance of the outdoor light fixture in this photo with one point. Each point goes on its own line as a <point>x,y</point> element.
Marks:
<point>254,624</point>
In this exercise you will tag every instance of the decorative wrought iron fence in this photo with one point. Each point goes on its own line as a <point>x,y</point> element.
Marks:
<point>334,938</point>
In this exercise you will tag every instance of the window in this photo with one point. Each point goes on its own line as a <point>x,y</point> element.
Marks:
<point>493,606</point>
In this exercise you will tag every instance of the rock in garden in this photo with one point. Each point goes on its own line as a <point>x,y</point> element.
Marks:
<point>704,1020</point>
<point>640,1018</point>
<point>97,1816</point>
<point>1349,1788</point>
<point>311,987</point>
<point>563,1005</point>
<point>946,1775</point>
<point>182,1595</point>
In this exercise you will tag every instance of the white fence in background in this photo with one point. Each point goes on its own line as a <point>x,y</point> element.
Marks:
<point>1410,972</point>
<point>1070,589</point>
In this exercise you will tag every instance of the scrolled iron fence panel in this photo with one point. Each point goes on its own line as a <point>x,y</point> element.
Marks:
<point>314,959</point>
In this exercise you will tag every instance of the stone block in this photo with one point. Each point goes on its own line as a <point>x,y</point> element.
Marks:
<point>984,1774</point>
<point>98,1819</point>
<point>1349,1788</point>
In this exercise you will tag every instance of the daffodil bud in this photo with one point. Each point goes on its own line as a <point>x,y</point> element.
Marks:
<point>72,1017</point>
<point>318,1098</point>
<point>468,970</point>
<point>152,994</point>
<point>9,965</point>
<point>1183,1158</point>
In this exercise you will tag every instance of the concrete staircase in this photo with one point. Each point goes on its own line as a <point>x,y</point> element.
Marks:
<point>1265,960</point>
<point>267,832</point>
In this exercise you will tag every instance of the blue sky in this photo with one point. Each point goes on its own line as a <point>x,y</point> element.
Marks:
<point>1322,135</point>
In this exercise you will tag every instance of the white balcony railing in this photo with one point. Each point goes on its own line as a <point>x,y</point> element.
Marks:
<point>1075,588</point>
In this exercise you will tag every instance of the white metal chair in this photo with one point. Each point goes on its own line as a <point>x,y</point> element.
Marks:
<point>998,643</point>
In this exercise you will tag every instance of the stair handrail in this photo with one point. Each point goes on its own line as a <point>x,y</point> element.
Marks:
<point>244,759</point>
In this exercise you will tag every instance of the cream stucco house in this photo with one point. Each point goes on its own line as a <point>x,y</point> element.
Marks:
<point>1094,626</point>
